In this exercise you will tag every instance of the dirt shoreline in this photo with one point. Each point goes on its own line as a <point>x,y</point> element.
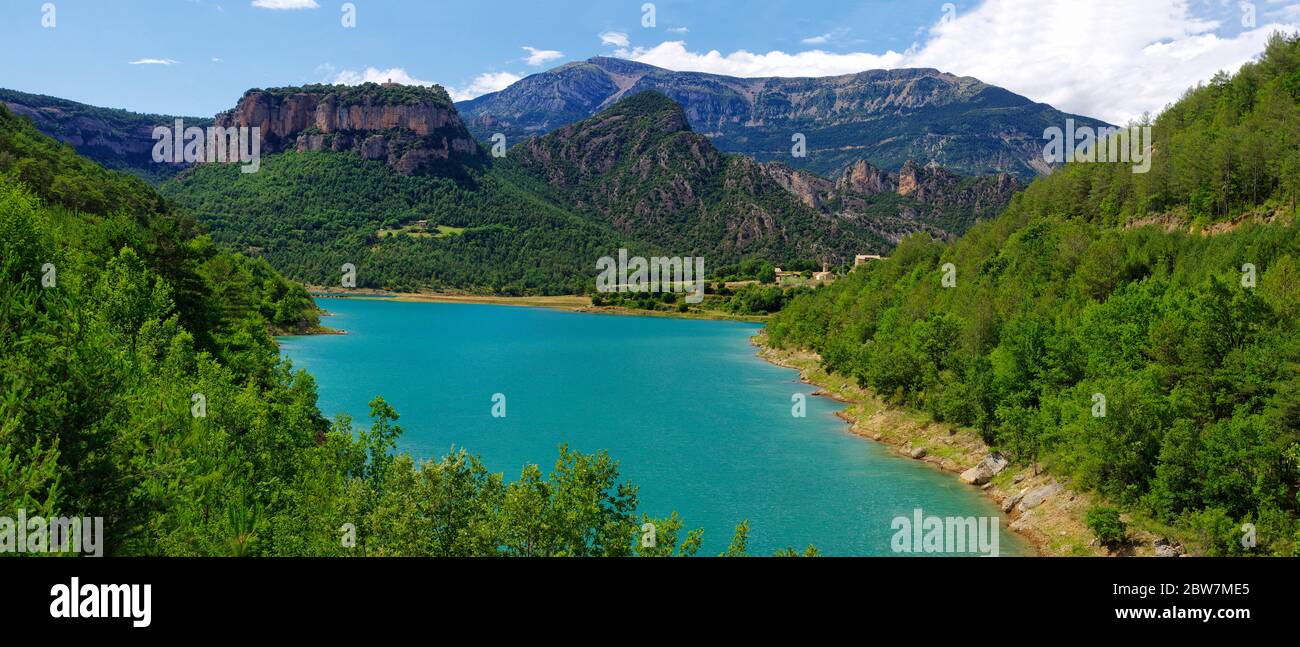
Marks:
<point>569,303</point>
<point>1055,527</point>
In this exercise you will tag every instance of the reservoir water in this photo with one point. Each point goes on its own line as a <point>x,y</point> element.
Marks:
<point>696,420</point>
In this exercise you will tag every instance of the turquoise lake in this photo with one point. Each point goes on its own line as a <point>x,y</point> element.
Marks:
<point>696,420</point>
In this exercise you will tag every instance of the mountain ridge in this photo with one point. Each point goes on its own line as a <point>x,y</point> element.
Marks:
<point>885,116</point>
<point>117,139</point>
<point>639,167</point>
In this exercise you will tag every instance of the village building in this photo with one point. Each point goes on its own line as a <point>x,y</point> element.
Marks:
<point>825,275</point>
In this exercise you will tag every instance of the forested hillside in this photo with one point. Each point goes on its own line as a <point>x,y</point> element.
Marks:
<point>309,213</point>
<point>534,222</point>
<point>140,384</point>
<point>638,168</point>
<point>1187,327</point>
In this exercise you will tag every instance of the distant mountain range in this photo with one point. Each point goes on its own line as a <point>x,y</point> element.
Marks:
<point>339,187</point>
<point>886,116</point>
<point>391,177</point>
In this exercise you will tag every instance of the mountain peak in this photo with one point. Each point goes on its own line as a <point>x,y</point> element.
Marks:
<point>639,123</point>
<point>668,115</point>
<point>620,64</point>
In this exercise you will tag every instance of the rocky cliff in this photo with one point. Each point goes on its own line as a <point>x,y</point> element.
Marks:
<point>413,129</point>
<point>895,204</point>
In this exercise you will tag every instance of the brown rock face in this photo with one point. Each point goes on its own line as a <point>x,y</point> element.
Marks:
<point>412,135</point>
<point>862,177</point>
<point>908,183</point>
<point>936,201</point>
<point>811,189</point>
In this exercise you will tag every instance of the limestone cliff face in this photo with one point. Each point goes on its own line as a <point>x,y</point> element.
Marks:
<point>811,189</point>
<point>411,128</point>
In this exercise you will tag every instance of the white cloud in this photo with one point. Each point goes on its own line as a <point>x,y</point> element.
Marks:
<point>678,30</point>
<point>1111,59</point>
<point>375,75</point>
<point>483,84</point>
<point>834,35</point>
<point>615,38</point>
<point>538,57</point>
<point>285,4</point>
<point>674,56</point>
<point>154,61</point>
<point>217,60</point>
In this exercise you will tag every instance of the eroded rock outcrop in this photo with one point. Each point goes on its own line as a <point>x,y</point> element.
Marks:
<point>929,198</point>
<point>412,129</point>
<point>863,177</point>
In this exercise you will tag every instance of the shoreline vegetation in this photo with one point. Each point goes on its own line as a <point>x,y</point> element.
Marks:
<point>305,330</point>
<point>1039,507</point>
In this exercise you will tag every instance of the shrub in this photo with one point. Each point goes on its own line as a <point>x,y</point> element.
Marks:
<point>1104,522</point>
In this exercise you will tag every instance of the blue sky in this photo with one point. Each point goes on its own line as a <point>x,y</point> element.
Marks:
<point>1109,58</point>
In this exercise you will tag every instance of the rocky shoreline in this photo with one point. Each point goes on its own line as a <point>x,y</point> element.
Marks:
<point>1038,506</point>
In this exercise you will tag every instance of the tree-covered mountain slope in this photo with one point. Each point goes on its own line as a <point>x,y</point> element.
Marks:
<point>118,316</point>
<point>536,220</point>
<point>885,116</point>
<point>1185,333</point>
<point>310,213</point>
<point>638,167</point>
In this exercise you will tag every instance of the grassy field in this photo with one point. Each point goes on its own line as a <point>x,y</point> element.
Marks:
<point>415,231</point>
